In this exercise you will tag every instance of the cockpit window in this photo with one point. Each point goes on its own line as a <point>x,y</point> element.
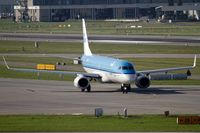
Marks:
<point>124,68</point>
<point>130,67</point>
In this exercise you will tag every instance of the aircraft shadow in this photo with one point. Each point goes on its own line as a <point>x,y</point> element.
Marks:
<point>157,91</point>
<point>106,91</point>
<point>92,91</point>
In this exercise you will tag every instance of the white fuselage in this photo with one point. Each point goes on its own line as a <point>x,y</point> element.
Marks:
<point>109,77</point>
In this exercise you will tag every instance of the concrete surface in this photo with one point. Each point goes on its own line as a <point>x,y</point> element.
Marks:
<point>18,96</point>
<point>135,39</point>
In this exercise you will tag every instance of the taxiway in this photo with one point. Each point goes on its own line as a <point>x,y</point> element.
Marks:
<point>134,39</point>
<point>19,96</point>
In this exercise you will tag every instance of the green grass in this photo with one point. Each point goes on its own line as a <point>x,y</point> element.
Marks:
<point>67,123</point>
<point>4,73</point>
<point>39,60</point>
<point>102,27</point>
<point>172,30</point>
<point>55,47</point>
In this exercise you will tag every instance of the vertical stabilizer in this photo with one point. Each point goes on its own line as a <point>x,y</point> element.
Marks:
<point>87,50</point>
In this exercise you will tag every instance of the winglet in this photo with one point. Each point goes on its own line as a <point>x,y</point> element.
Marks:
<point>5,63</point>
<point>195,61</point>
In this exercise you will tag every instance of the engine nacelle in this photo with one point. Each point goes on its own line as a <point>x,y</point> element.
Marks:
<point>142,81</point>
<point>81,82</point>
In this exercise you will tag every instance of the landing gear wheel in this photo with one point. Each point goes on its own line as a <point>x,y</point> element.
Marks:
<point>89,88</point>
<point>122,88</point>
<point>83,90</point>
<point>125,88</point>
<point>129,88</point>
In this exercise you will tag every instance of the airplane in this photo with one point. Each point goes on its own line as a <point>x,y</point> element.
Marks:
<point>107,70</point>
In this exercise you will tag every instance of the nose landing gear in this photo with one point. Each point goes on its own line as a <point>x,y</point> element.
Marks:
<point>125,88</point>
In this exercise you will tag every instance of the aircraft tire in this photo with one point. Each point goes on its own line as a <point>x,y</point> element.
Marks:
<point>89,88</point>
<point>126,88</point>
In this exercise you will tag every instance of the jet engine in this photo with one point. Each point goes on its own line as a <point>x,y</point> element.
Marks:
<point>81,82</point>
<point>142,81</point>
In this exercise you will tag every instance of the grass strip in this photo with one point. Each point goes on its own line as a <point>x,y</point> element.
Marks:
<point>4,73</point>
<point>104,27</point>
<point>68,123</point>
<point>39,60</point>
<point>62,47</point>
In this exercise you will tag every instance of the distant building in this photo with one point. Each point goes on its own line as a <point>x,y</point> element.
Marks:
<point>61,10</point>
<point>6,8</point>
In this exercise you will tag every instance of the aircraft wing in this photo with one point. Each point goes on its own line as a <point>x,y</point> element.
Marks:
<point>165,70</point>
<point>89,75</point>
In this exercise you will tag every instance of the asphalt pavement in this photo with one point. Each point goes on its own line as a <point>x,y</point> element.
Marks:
<point>20,96</point>
<point>135,39</point>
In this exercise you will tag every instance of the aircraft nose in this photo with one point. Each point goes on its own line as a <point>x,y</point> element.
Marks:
<point>129,78</point>
<point>132,77</point>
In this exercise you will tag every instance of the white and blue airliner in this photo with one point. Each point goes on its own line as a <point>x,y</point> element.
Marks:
<point>107,70</point>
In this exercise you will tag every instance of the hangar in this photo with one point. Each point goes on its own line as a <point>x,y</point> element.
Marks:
<point>61,10</point>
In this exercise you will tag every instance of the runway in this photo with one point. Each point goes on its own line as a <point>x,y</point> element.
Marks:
<point>135,39</point>
<point>19,96</point>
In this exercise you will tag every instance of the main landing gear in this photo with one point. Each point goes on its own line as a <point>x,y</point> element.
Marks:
<point>125,88</point>
<point>88,89</point>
